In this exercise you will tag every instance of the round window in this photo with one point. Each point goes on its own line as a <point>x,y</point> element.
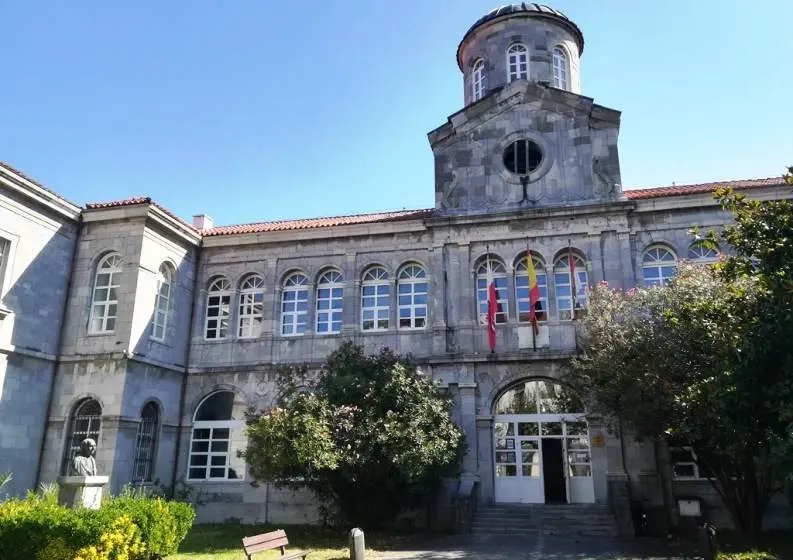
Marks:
<point>522,157</point>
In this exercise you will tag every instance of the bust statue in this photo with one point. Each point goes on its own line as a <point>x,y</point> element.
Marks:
<point>84,463</point>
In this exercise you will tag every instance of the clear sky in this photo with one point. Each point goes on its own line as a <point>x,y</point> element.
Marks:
<point>252,110</point>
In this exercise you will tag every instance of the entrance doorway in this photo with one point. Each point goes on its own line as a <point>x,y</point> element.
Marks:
<point>541,446</point>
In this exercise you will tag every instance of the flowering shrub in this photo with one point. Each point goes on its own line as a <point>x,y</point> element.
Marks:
<point>122,529</point>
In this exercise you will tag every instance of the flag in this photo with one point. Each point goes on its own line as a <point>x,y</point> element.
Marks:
<point>534,292</point>
<point>491,315</point>
<point>571,261</point>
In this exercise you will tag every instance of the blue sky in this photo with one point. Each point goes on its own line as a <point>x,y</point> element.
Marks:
<point>252,110</point>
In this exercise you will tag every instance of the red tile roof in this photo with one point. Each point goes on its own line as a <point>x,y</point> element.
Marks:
<point>678,190</point>
<point>311,223</point>
<point>139,200</point>
<point>49,190</point>
<point>381,217</point>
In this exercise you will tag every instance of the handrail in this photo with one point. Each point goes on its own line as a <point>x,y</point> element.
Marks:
<point>465,502</point>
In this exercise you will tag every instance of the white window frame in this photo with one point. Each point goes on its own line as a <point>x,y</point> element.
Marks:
<point>219,298</point>
<point>496,272</point>
<point>104,297</point>
<point>146,444</point>
<point>162,302</point>
<point>562,280</point>
<point>250,317</point>
<point>412,297</point>
<point>691,463</point>
<point>698,253</point>
<point>294,292</point>
<point>517,62</point>
<point>653,259</point>
<point>478,80</point>
<point>234,427</point>
<point>329,303</point>
<point>561,68</point>
<point>375,299</point>
<point>522,287</point>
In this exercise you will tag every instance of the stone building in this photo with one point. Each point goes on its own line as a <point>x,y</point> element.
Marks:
<point>123,322</point>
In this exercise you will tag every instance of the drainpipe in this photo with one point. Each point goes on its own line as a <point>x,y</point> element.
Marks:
<point>188,349</point>
<point>58,348</point>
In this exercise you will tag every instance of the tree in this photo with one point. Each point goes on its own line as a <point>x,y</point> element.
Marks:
<point>707,359</point>
<point>369,434</point>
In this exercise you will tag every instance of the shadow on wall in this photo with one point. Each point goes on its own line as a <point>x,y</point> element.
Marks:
<point>36,299</point>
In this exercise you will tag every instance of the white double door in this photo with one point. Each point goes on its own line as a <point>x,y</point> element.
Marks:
<point>542,458</point>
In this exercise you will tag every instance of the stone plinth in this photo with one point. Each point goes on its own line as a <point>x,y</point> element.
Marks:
<point>81,491</point>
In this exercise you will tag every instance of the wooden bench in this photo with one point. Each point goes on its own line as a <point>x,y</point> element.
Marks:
<point>269,541</point>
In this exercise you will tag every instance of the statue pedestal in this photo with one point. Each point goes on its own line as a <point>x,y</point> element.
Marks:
<point>81,491</point>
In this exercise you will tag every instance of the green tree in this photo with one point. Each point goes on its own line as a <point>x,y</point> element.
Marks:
<point>369,434</point>
<point>707,359</point>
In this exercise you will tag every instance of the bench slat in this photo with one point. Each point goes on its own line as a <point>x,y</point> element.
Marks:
<point>269,545</point>
<point>264,537</point>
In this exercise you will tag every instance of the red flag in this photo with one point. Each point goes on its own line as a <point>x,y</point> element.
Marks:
<point>491,315</point>
<point>571,261</point>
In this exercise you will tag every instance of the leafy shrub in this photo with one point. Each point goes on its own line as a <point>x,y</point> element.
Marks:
<point>123,528</point>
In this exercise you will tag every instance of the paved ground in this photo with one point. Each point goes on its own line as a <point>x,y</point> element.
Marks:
<point>536,547</point>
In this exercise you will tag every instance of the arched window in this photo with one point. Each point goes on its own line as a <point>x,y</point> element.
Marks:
<point>492,270</point>
<point>412,291</point>
<point>659,265</point>
<point>216,438</point>
<point>561,70</point>
<point>294,304</point>
<point>478,80</point>
<point>375,299</point>
<point>251,312</point>
<point>570,289</point>
<point>218,309</point>
<point>86,422</point>
<point>146,444</point>
<point>330,302</point>
<point>522,289</point>
<point>162,302</point>
<point>104,304</point>
<point>700,253</point>
<point>518,62</point>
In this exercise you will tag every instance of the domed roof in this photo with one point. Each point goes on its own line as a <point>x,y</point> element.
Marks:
<point>525,9</point>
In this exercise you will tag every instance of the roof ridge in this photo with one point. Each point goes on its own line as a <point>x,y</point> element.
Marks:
<point>724,181</point>
<point>336,217</point>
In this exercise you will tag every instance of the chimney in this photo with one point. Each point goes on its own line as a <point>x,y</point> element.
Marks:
<point>202,221</point>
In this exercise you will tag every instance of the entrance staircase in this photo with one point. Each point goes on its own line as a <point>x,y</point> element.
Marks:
<point>588,520</point>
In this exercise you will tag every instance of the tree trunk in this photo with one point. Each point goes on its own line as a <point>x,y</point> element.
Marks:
<point>663,464</point>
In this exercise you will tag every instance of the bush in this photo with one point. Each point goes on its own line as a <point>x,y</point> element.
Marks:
<point>123,528</point>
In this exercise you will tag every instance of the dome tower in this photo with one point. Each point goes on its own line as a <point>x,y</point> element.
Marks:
<point>524,41</point>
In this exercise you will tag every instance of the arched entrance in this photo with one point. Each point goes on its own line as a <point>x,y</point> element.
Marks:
<point>541,445</point>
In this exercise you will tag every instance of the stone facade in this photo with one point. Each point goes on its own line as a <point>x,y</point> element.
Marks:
<point>53,360</point>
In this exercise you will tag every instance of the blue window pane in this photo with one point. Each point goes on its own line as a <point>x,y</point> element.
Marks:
<point>368,290</point>
<point>421,311</point>
<point>368,314</point>
<point>523,293</point>
<point>287,329</point>
<point>302,306</point>
<point>322,327</point>
<point>383,290</point>
<point>668,271</point>
<point>420,299</point>
<point>405,288</point>
<point>301,328</point>
<point>563,291</point>
<point>323,293</point>
<point>289,296</point>
<point>561,278</point>
<point>404,312</point>
<point>338,303</point>
<point>368,302</point>
<point>384,301</point>
<point>337,292</point>
<point>337,326</point>
<point>421,287</point>
<point>404,300</point>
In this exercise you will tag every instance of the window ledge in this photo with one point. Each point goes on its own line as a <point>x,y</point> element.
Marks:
<point>4,311</point>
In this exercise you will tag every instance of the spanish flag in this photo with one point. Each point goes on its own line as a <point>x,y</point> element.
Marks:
<point>534,291</point>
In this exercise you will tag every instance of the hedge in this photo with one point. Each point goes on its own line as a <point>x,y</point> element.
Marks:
<point>129,528</point>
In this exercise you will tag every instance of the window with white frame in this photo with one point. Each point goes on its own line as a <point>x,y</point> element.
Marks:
<point>104,303</point>
<point>330,302</point>
<point>478,80</point>
<point>686,465</point>
<point>215,439</point>
<point>522,290</point>
<point>218,309</point>
<point>492,270</point>
<point>659,265</point>
<point>412,289</point>
<point>159,323</point>
<point>251,309</point>
<point>561,71</point>
<point>146,444</point>
<point>701,253</point>
<point>375,299</point>
<point>563,283</point>
<point>86,422</point>
<point>518,62</point>
<point>5,250</point>
<point>294,304</point>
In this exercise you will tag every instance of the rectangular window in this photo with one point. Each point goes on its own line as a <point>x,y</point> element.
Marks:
<point>213,451</point>
<point>685,464</point>
<point>375,304</point>
<point>412,305</point>
<point>502,301</point>
<point>522,293</point>
<point>5,249</point>
<point>251,314</point>
<point>294,311</point>
<point>218,313</point>
<point>329,310</point>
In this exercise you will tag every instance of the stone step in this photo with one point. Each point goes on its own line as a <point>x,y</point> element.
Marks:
<point>587,520</point>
